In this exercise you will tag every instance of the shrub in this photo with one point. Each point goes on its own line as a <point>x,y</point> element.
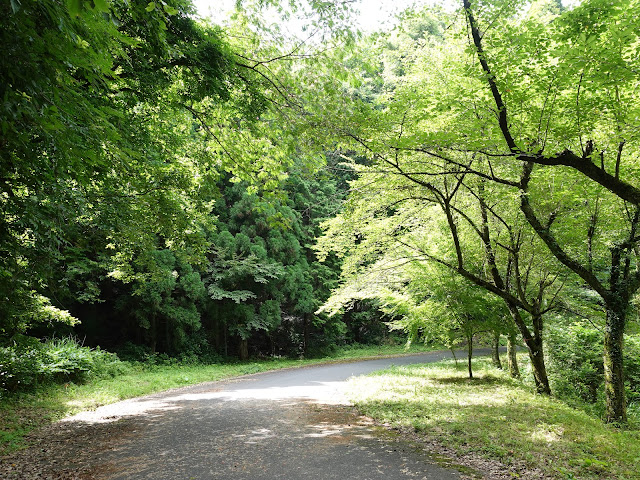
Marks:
<point>27,363</point>
<point>20,368</point>
<point>576,367</point>
<point>134,353</point>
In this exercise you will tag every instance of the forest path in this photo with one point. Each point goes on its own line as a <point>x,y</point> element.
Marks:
<point>289,424</point>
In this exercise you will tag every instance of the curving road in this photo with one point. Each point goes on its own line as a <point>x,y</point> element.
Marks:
<point>289,424</point>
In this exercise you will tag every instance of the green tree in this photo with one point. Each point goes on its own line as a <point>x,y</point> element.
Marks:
<point>164,301</point>
<point>458,224</point>
<point>448,308</point>
<point>510,96</point>
<point>240,280</point>
<point>261,262</point>
<point>588,57</point>
<point>92,131</point>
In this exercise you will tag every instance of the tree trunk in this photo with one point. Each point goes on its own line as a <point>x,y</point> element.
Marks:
<point>453,353</point>
<point>218,336</point>
<point>167,336</point>
<point>243,349</point>
<point>495,351</point>
<point>540,372</point>
<point>512,359</point>
<point>616,411</point>
<point>536,353</point>
<point>305,334</point>
<point>154,334</point>
<point>616,308</point>
<point>470,354</point>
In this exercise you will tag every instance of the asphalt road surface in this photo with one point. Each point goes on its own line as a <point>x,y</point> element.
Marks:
<point>290,424</point>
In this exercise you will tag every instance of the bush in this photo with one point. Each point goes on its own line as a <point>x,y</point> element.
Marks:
<point>576,366</point>
<point>28,363</point>
<point>133,352</point>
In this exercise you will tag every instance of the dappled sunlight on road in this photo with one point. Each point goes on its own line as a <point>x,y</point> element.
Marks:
<point>323,392</point>
<point>321,385</point>
<point>291,424</point>
<point>115,411</point>
<point>255,436</point>
<point>330,393</point>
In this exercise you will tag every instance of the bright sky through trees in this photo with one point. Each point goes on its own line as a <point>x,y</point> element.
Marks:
<point>373,14</point>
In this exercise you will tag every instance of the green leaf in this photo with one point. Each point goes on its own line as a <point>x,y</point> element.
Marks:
<point>170,10</point>
<point>151,6</point>
<point>100,5</point>
<point>75,7</point>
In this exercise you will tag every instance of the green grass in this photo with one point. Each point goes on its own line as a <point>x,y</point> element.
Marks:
<point>24,412</point>
<point>500,418</point>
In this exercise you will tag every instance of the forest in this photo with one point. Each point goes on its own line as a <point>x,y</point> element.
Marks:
<point>171,187</point>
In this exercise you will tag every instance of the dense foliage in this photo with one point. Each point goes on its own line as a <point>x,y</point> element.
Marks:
<point>29,363</point>
<point>158,194</point>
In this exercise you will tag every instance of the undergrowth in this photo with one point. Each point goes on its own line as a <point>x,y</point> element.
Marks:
<point>28,363</point>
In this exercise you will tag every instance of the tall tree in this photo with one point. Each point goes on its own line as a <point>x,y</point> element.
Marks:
<point>115,128</point>
<point>510,97</point>
<point>457,223</point>
<point>586,74</point>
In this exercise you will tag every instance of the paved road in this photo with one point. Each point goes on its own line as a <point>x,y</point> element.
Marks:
<point>290,424</point>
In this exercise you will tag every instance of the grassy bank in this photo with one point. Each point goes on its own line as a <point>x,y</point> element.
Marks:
<point>499,418</point>
<point>24,412</point>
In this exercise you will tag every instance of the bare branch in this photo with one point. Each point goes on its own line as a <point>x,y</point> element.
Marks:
<point>619,158</point>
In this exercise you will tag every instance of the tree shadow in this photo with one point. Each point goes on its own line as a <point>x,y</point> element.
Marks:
<point>484,380</point>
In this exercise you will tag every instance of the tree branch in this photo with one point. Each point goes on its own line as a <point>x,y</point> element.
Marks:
<point>624,190</point>
<point>549,239</point>
<point>497,97</point>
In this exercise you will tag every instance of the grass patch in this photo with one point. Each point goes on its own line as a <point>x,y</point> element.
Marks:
<point>21,413</point>
<point>500,418</point>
